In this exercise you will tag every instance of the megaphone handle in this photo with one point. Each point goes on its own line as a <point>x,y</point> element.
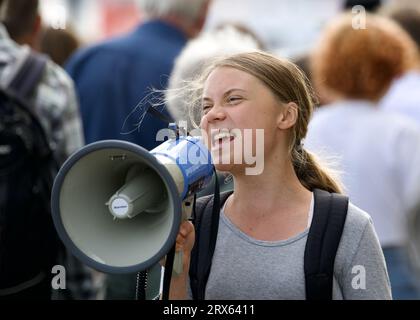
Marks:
<point>187,206</point>
<point>177,269</point>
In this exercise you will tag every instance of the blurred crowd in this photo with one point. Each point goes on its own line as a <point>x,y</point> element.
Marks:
<point>365,75</point>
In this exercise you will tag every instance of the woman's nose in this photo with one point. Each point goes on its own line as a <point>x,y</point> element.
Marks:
<point>216,114</point>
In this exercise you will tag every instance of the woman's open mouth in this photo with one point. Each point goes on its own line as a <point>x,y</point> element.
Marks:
<point>221,138</point>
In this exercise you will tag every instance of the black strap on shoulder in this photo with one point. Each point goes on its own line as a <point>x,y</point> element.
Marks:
<point>206,227</point>
<point>28,75</point>
<point>330,211</point>
<point>202,204</point>
<point>20,89</point>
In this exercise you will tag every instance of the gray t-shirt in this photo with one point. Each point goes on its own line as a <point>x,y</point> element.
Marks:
<point>250,269</point>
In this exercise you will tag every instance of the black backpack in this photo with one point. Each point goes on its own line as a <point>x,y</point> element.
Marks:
<point>330,211</point>
<point>28,242</point>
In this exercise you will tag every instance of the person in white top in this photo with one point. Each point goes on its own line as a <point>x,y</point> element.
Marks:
<point>404,95</point>
<point>377,152</point>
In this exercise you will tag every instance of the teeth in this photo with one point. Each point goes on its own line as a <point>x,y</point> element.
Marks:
<point>222,135</point>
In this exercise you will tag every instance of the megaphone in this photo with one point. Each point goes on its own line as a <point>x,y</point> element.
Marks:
<point>118,207</point>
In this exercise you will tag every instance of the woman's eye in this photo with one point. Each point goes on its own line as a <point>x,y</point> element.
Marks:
<point>234,99</point>
<point>206,108</point>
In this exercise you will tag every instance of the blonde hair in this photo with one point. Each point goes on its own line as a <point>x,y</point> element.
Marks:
<point>289,84</point>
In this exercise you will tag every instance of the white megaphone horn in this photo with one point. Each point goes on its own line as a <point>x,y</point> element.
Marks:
<point>118,207</point>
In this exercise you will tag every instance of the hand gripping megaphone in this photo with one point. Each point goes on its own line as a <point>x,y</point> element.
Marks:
<point>118,207</point>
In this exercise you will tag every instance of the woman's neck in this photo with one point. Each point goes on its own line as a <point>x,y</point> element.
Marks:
<point>271,206</point>
<point>276,188</point>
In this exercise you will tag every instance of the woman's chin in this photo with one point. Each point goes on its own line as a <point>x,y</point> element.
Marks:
<point>225,167</point>
<point>230,168</point>
<point>225,160</point>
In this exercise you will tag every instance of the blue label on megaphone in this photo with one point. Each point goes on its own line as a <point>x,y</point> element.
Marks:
<point>192,157</point>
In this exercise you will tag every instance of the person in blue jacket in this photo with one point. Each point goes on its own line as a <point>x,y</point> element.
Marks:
<point>113,77</point>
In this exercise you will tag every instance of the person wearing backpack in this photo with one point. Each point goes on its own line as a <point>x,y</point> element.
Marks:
<point>40,127</point>
<point>286,231</point>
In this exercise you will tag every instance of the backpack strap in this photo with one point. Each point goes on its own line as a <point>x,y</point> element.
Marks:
<point>203,205</point>
<point>330,211</point>
<point>206,222</point>
<point>19,88</point>
<point>28,75</point>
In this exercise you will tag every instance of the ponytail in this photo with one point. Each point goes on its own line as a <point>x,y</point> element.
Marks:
<point>312,174</point>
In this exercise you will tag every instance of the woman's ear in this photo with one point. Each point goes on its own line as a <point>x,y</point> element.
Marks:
<point>288,116</point>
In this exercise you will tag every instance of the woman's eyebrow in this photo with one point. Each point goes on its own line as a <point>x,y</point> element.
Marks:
<point>232,90</point>
<point>225,94</point>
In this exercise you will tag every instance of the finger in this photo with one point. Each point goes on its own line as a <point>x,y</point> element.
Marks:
<point>183,231</point>
<point>180,239</point>
<point>186,228</point>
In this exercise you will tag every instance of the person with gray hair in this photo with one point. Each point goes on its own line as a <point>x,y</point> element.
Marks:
<point>187,14</point>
